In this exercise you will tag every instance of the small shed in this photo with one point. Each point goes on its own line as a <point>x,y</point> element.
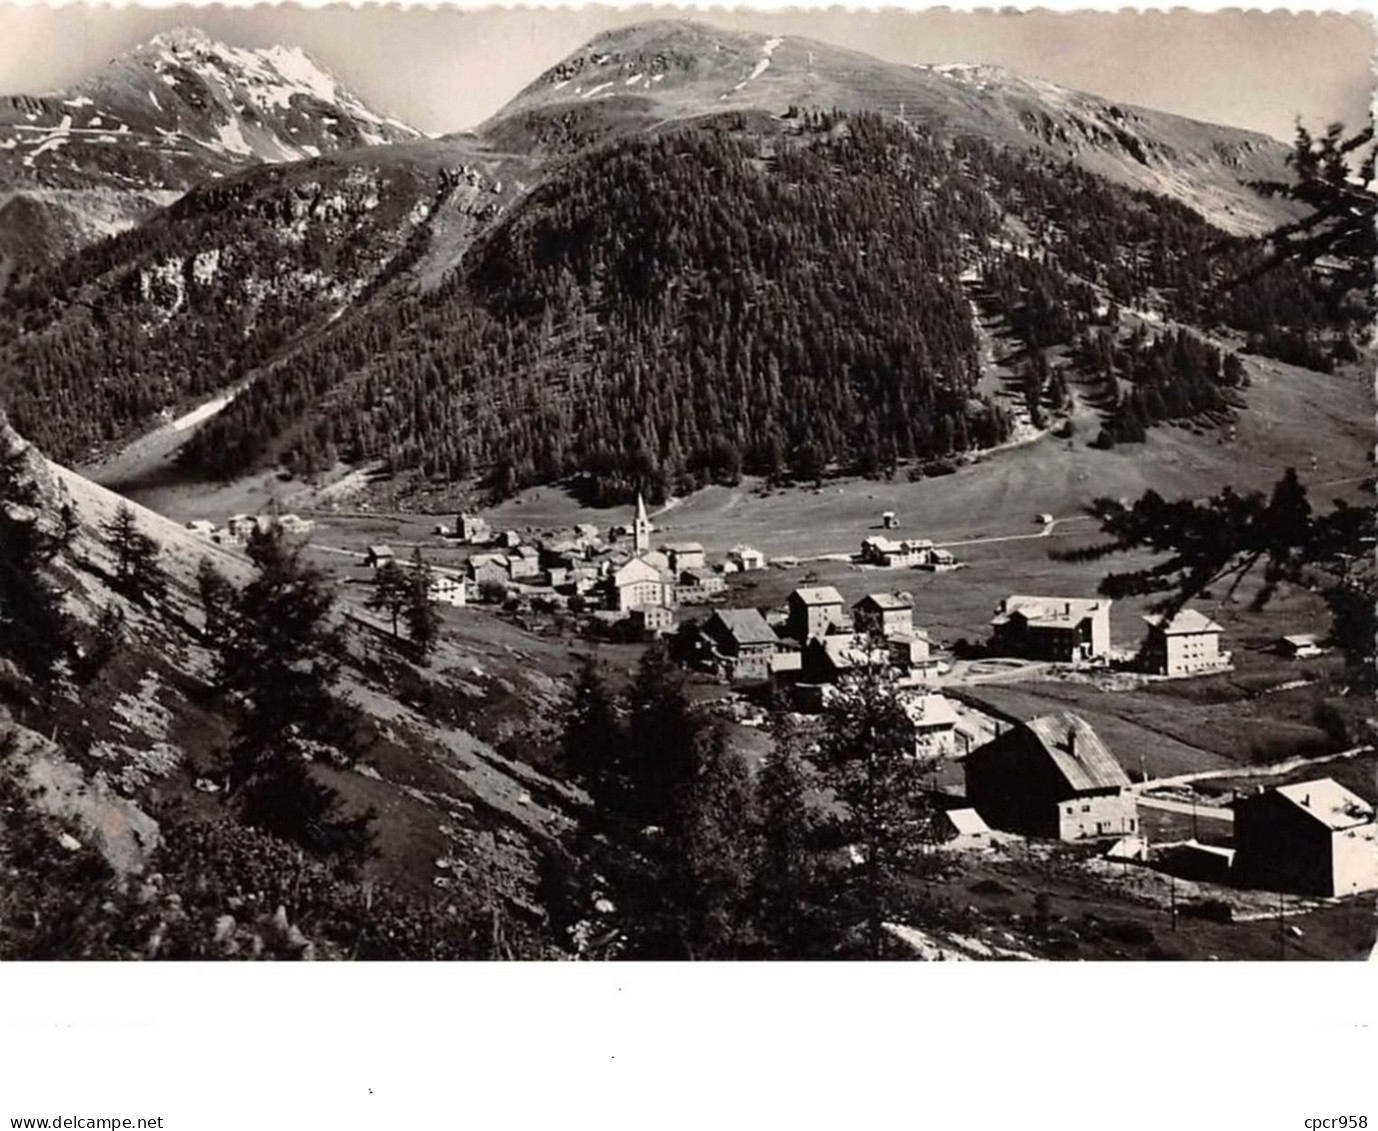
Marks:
<point>962,824</point>
<point>1301,646</point>
<point>1208,863</point>
<point>1128,849</point>
<point>379,554</point>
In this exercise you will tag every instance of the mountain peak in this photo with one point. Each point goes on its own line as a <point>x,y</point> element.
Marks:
<point>642,75</point>
<point>276,73</point>
<point>177,110</point>
<point>180,38</point>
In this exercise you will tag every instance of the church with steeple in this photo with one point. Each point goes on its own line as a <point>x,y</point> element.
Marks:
<point>641,529</point>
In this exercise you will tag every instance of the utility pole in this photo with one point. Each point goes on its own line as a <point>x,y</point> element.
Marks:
<point>1282,929</point>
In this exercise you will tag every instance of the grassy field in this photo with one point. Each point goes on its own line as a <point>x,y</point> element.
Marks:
<point>1114,913</point>
<point>1293,415</point>
<point>1175,727</point>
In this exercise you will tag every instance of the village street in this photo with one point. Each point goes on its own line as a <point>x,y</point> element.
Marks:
<point>1215,812</point>
<point>1271,770</point>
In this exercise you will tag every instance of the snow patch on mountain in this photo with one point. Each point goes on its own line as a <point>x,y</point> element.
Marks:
<point>763,64</point>
<point>232,139</point>
<point>52,140</point>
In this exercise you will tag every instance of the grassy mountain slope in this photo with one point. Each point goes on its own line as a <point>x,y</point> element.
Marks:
<point>641,76</point>
<point>520,306</point>
<point>129,750</point>
<point>625,321</point>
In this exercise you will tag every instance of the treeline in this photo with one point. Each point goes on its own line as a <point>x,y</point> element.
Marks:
<point>1085,237</point>
<point>193,301</point>
<point>1147,379</point>
<point>736,296</point>
<point>668,312</point>
<point>674,311</point>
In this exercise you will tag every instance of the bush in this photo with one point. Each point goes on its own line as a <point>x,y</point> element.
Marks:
<point>990,887</point>
<point>217,889</point>
<point>1128,932</point>
<point>492,592</point>
<point>1214,910</point>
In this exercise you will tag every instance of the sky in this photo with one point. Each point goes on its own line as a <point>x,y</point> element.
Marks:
<point>449,69</point>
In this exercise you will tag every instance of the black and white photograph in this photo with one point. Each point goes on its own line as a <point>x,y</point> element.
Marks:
<point>640,565</point>
<point>600,485</point>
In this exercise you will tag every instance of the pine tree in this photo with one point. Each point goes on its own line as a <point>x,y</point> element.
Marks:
<point>593,748</point>
<point>105,642</point>
<point>867,758</point>
<point>708,865</point>
<point>423,621</point>
<point>281,657</point>
<point>663,739</point>
<point>35,631</point>
<point>218,603</point>
<point>1337,236</point>
<point>138,573</point>
<point>1229,537</point>
<point>392,592</point>
<point>785,870</point>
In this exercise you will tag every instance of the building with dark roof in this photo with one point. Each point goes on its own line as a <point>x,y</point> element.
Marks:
<point>379,554</point>
<point>699,584</point>
<point>1051,776</point>
<point>741,644</point>
<point>684,555</point>
<point>826,658</point>
<point>1062,629</point>
<point>886,614</point>
<point>1312,838</point>
<point>1301,646</point>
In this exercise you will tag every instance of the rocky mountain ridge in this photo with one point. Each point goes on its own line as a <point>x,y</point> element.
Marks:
<point>179,110</point>
<point>638,77</point>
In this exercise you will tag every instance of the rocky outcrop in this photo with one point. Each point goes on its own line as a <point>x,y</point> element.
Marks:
<point>88,808</point>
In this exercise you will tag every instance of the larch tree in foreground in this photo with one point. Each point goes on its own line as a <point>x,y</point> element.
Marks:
<point>869,760</point>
